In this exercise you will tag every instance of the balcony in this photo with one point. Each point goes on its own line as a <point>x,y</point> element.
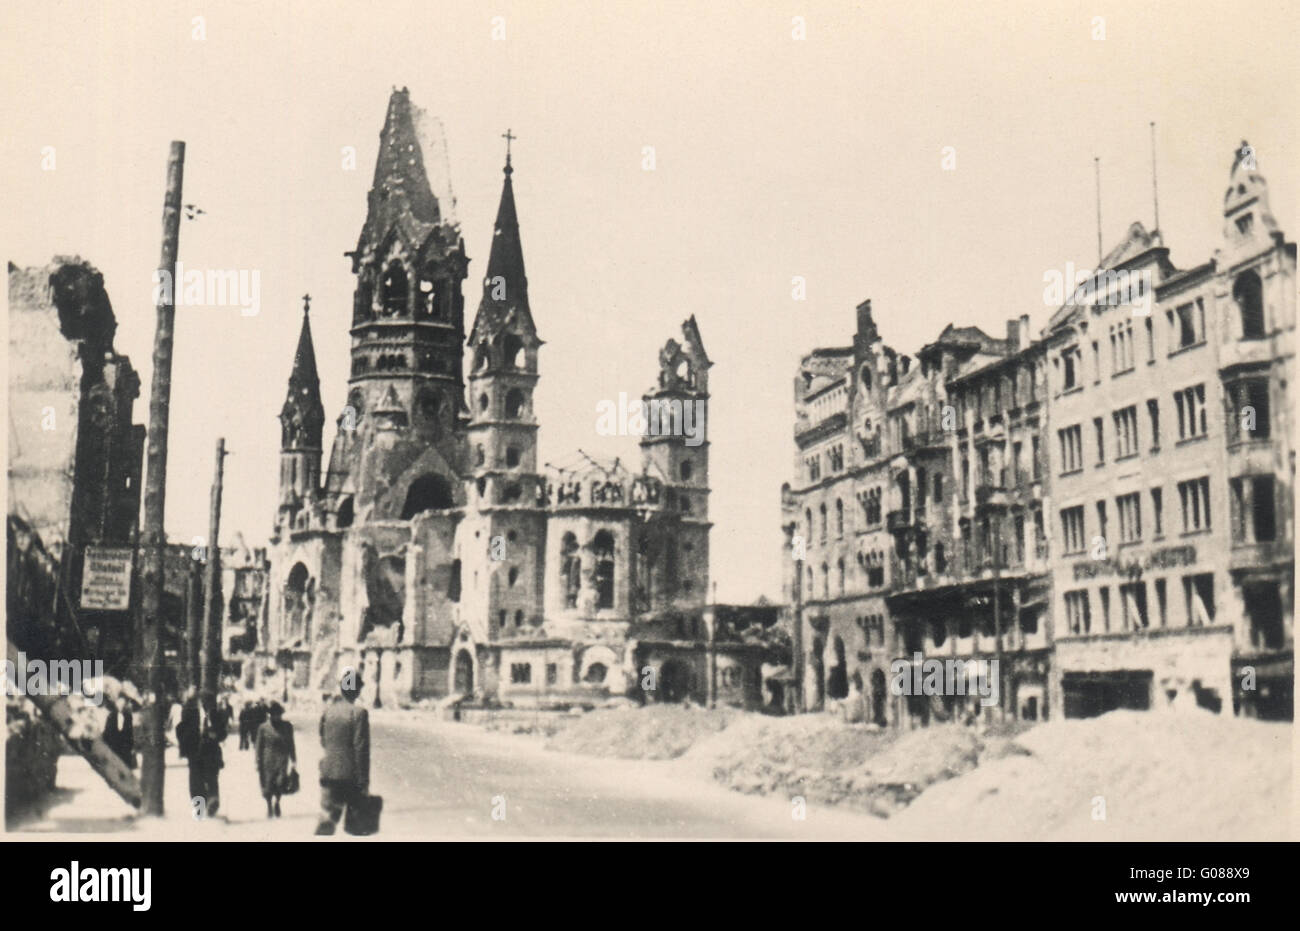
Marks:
<point>806,431</point>
<point>925,441</point>
<point>1259,555</point>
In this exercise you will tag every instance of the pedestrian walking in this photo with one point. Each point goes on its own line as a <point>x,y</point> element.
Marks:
<point>119,731</point>
<point>199,735</point>
<point>277,758</point>
<point>245,724</point>
<point>345,767</point>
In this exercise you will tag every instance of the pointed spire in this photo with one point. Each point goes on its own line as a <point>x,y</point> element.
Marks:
<point>303,414</point>
<point>304,360</point>
<point>505,286</point>
<point>506,260</point>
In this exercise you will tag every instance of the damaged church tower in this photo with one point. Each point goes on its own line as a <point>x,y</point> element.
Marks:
<point>435,555</point>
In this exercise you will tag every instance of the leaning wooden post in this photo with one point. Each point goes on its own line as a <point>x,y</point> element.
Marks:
<point>153,538</point>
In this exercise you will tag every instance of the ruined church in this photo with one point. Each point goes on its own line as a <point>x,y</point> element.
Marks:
<point>434,554</point>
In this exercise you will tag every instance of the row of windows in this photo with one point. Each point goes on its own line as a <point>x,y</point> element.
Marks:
<point>834,462</point>
<point>1192,424</point>
<point>1186,328</point>
<point>991,396</point>
<point>522,674</point>
<point>1193,499</point>
<point>1140,605</point>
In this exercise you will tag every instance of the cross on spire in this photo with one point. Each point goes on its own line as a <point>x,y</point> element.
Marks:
<point>508,137</point>
<point>306,303</point>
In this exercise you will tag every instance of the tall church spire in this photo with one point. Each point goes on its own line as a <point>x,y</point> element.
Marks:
<point>303,415</point>
<point>505,286</point>
<point>506,260</point>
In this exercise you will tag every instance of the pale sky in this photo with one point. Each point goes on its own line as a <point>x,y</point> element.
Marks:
<point>774,158</point>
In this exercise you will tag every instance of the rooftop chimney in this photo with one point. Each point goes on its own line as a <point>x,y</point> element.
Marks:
<point>866,326</point>
<point>1025,337</point>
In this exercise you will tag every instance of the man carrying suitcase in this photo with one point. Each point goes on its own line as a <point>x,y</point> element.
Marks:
<point>345,767</point>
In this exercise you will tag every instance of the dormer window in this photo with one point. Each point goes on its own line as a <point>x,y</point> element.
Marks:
<point>1244,224</point>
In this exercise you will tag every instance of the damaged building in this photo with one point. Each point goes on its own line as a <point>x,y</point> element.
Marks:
<point>435,553</point>
<point>75,458</point>
<point>1105,510</point>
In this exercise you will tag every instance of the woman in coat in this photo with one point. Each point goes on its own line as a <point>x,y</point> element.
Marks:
<point>276,757</point>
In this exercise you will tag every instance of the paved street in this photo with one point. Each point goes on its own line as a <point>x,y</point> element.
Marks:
<point>441,779</point>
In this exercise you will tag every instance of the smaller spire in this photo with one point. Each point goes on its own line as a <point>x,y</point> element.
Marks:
<point>306,304</point>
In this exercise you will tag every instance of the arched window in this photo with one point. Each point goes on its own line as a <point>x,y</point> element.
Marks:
<point>839,517</point>
<point>345,515</point>
<point>826,581</point>
<point>482,355</point>
<point>603,549</point>
<point>295,601</point>
<point>512,456</point>
<point>395,292</point>
<point>1248,293</point>
<point>837,677</point>
<point>427,493</point>
<point>807,517</point>
<point>823,513</point>
<point>514,404</point>
<point>513,352</point>
<point>841,575</point>
<point>595,674</point>
<point>685,470</point>
<point>570,570</point>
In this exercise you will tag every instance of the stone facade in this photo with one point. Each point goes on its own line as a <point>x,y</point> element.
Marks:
<point>1106,509</point>
<point>435,553</point>
<point>1172,468</point>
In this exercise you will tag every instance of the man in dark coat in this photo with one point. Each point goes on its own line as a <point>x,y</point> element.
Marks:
<point>119,731</point>
<point>345,767</point>
<point>199,735</point>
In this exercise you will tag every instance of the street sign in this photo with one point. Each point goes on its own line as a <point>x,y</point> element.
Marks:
<point>106,578</point>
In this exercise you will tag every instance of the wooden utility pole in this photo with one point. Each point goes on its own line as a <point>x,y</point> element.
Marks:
<point>796,638</point>
<point>211,659</point>
<point>194,623</point>
<point>153,538</point>
<point>997,613</point>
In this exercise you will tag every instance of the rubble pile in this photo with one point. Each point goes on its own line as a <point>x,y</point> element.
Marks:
<point>825,762</point>
<point>1127,775</point>
<point>655,732</point>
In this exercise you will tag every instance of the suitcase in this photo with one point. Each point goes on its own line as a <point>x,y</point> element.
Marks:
<point>362,818</point>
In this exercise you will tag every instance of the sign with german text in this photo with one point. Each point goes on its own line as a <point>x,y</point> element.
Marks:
<point>106,579</point>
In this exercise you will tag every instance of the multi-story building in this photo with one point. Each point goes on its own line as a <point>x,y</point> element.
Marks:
<point>979,592</point>
<point>436,554</point>
<point>1172,467</point>
<point>1106,511</point>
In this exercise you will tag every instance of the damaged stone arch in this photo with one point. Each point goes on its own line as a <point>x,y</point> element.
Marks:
<point>428,492</point>
<point>597,663</point>
<point>464,671</point>
<point>299,603</point>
